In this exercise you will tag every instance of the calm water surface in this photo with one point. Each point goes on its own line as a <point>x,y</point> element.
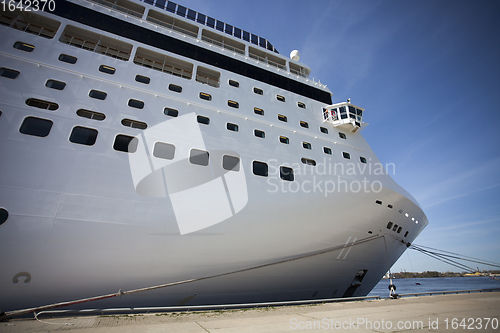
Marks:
<point>407,286</point>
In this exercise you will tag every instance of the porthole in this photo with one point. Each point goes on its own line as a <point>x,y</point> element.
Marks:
<point>304,124</point>
<point>286,173</point>
<point>308,161</point>
<point>170,112</point>
<point>259,133</point>
<point>233,104</point>
<point>282,118</point>
<point>174,88</point>
<point>378,202</point>
<point>125,143</point>
<point>342,135</point>
<point>83,135</point>
<point>54,84</point>
<point>24,46</point>
<point>362,159</point>
<point>205,96</point>
<point>36,126</point>
<point>258,111</point>
<point>301,105</point>
<point>346,155</point>
<point>395,227</point>
<point>233,83</point>
<point>134,103</point>
<point>101,95</point>
<point>389,225</point>
<point>280,98</point>
<point>258,91</point>
<point>399,230</point>
<point>203,120</point>
<point>9,73</point>
<point>107,69</point>
<point>142,79</point>
<point>306,145</point>
<point>284,139</point>
<point>4,215</point>
<point>232,127</point>
<point>67,59</point>
<point>327,150</point>
<point>323,130</point>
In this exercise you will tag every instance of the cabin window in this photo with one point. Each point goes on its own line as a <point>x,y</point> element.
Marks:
<point>260,168</point>
<point>4,215</point>
<point>125,143</point>
<point>134,103</point>
<point>308,161</point>
<point>378,202</point>
<point>346,155</point>
<point>282,118</point>
<point>54,84</point>
<point>9,73</point>
<point>284,139</point>
<point>286,173</point>
<point>389,206</point>
<point>301,105</point>
<point>406,233</point>
<point>107,69</point>
<point>164,150</point>
<point>205,96</point>
<point>304,124</point>
<point>174,88</point>
<point>36,126</point>
<point>208,76</point>
<point>233,83</point>
<point>399,230</point>
<point>323,130</point>
<point>142,79</point>
<point>258,91</point>
<point>101,95</point>
<point>24,46</point>
<point>67,59</point>
<point>38,103</point>
<point>258,111</point>
<point>199,157</point>
<point>170,112</point>
<point>395,227</point>
<point>342,135</point>
<point>231,163</point>
<point>259,133</point>
<point>362,159</point>
<point>203,120</point>
<point>233,104</point>
<point>232,127</point>
<point>327,150</point>
<point>280,98</point>
<point>389,225</point>
<point>306,145</point>
<point>83,135</point>
<point>90,114</point>
<point>134,124</point>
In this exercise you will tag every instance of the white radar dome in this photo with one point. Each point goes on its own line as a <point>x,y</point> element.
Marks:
<point>295,55</point>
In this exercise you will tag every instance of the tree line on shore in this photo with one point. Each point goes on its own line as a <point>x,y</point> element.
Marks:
<point>431,274</point>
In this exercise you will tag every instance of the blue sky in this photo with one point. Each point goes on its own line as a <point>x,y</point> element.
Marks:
<point>427,72</point>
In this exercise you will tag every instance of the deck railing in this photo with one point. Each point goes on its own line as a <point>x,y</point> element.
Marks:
<point>267,61</point>
<point>117,8</point>
<point>172,27</point>
<point>162,67</point>
<point>206,80</point>
<point>94,47</point>
<point>222,45</point>
<point>27,27</point>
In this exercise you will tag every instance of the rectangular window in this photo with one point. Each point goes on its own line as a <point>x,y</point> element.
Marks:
<point>258,91</point>
<point>233,83</point>
<point>308,161</point>
<point>327,150</point>
<point>142,79</point>
<point>125,143</point>
<point>304,124</point>
<point>36,126</point>
<point>9,73</point>
<point>199,157</point>
<point>306,145</point>
<point>83,135</point>
<point>208,76</point>
<point>205,96</point>
<point>174,88</point>
<point>260,168</point>
<point>38,103</point>
<point>282,118</point>
<point>231,163</point>
<point>362,159</point>
<point>323,130</point>
<point>232,127</point>
<point>170,112</point>
<point>164,150</point>
<point>98,94</point>
<point>259,133</point>
<point>286,173</point>
<point>284,139</point>
<point>24,46</point>
<point>280,98</point>
<point>342,135</point>
<point>107,69</point>
<point>301,105</point>
<point>233,104</point>
<point>90,114</point>
<point>346,155</point>
<point>67,59</point>
<point>53,84</point>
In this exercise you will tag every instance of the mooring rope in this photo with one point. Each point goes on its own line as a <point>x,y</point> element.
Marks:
<point>10,314</point>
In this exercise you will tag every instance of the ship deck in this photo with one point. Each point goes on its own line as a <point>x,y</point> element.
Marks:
<point>412,314</point>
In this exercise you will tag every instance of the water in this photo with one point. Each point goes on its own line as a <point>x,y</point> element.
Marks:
<point>409,286</point>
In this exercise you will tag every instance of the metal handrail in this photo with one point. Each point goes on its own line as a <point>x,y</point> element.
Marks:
<point>172,27</point>
<point>206,80</point>
<point>117,8</point>
<point>94,47</point>
<point>267,61</point>
<point>222,45</point>
<point>162,67</point>
<point>430,293</point>
<point>28,27</point>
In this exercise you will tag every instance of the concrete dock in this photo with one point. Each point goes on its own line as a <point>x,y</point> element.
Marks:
<point>479,312</point>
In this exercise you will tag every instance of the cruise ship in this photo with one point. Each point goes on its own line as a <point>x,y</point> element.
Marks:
<point>144,144</point>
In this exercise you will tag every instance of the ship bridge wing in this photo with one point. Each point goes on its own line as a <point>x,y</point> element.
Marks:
<point>344,115</point>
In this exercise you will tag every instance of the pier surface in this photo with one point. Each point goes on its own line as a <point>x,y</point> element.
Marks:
<point>479,312</point>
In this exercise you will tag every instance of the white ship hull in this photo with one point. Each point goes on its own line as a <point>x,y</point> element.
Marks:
<point>78,226</point>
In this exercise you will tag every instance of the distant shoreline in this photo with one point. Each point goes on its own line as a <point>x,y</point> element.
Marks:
<point>434,274</point>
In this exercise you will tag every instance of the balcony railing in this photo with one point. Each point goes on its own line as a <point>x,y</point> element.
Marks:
<point>117,8</point>
<point>222,45</point>
<point>206,80</point>
<point>162,67</point>
<point>94,47</point>
<point>267,61</point>
<point>27,27</point>
<point>172,27</point>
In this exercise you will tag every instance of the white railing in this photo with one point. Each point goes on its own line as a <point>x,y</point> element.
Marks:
<point>162,67</point>
<point>206,80</point>
<point>94,47</point>
<point>117,8</point>
<point>172,27</point>
<point>222,45</point>
<point>27,27</point>
<point>267,61</point>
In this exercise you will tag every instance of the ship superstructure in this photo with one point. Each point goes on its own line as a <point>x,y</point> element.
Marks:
<point>144,143</point>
